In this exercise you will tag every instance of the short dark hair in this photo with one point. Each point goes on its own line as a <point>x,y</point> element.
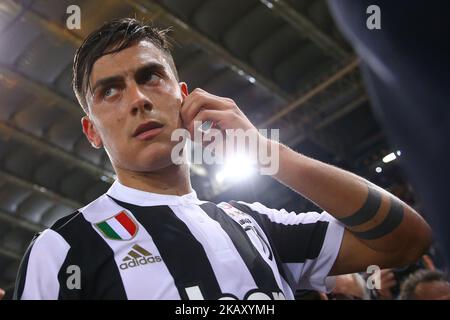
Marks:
<point>408,287</point>
<point>111,37</point>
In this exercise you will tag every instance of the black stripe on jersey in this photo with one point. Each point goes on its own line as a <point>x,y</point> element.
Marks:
<point>61,222</point>
<point>295,243</point>
<point>259,269</point>
<point>100,276</point>
<point>21,275</point>
<point>182,253</point>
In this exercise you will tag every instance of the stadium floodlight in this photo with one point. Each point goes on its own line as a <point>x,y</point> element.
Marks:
<point>390,157</point>
<point>236,168</point>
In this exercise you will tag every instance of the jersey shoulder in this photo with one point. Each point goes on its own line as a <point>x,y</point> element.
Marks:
<point>62,222</point>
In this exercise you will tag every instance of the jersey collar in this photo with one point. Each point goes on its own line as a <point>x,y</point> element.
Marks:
<point>142,198</point>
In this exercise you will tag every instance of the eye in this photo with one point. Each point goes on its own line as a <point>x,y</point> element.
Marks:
<point>152,77</point>
<point>109,92</point>
<point>148,77</point>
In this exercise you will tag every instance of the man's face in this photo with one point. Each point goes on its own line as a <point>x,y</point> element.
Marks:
<point>433,290</point>
<point>134,105</point>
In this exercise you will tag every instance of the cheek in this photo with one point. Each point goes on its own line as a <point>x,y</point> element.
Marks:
<point>172,91</point>
<point>112,130</point>
<point>171,108</point>
<point>114,125</point>
<point>176,116</point>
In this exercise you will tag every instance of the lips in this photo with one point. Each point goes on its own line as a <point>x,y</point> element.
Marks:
<point>148,130</point>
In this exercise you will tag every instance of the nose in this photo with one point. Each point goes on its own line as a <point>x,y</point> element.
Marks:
<point>139,101</point>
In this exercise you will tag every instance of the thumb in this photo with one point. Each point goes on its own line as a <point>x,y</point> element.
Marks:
<point>428,262</point>
<point>2,294</point>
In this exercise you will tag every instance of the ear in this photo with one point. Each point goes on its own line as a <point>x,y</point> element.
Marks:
<point>91,133</point>
<point>184,89</point>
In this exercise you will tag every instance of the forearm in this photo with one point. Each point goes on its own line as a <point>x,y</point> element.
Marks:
<point>334,190</point>
<point>379,219</point>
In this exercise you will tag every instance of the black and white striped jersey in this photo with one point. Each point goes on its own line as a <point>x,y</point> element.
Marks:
<point>131,244</point>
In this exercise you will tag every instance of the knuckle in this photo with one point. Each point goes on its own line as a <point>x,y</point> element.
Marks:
<point>197,92</point>
<point>200,114</point>
<point>233,115</point>
<point>230,101</point>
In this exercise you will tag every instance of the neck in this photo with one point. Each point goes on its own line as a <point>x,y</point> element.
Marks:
<point>173,180</point>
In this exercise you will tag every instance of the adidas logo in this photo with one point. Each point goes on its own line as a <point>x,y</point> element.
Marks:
<point>138,256</point>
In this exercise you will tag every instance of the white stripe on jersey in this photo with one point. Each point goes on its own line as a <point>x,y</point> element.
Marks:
<point>144,281</point>
<point>225,260</point>
<point>48,253</point>
<point>314,272</point>
<point>288,218</point>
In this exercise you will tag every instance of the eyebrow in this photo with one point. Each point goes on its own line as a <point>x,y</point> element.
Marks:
<point>105,82</point>
<point>119,78</point>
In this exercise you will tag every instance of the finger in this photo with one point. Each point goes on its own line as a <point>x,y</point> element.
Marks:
<point>2,294</point>
<point>385,271</point>
<point>388,276</point>
<point>221,119</point>
<point>196,124</point>
<point>199,100</point>
<point>428,262</point>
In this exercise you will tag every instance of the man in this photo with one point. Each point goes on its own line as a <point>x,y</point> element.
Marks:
<point>150,237</point>
<point>349,287</point>
<point>425,285</point>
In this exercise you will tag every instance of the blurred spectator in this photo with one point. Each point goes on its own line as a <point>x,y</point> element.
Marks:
<point>349,287</point>
<point>425,285</point>
<point>354,286</point>
<point>390,279</point>
<point>388,283</point>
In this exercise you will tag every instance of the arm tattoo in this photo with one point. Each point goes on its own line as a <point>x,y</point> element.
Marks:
<point>369,210</point>
<point>392,221</point>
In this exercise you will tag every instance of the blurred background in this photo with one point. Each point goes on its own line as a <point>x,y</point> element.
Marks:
<point>284,62</point>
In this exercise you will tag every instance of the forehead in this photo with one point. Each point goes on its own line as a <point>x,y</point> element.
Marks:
<point>128,60</point>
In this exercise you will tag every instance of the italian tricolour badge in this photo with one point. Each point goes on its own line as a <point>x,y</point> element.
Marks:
<point>119,227</point>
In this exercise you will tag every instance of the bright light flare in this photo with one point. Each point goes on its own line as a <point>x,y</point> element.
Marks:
<point>237,168</point>
<point>390,157</point>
